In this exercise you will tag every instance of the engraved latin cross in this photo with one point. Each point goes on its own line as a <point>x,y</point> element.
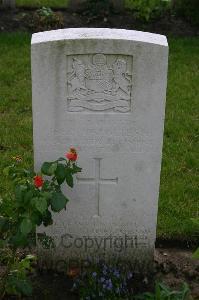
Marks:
<point>98,181</point>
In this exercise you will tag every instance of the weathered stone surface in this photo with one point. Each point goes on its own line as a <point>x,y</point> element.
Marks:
<point>102,91</point>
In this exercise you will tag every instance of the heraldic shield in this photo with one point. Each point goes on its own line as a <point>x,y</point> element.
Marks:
<point>99,83</point>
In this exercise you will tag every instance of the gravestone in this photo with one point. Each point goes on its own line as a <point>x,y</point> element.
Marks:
<point>103,92</point>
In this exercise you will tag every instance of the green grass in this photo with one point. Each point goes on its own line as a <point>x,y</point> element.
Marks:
<point>40,3</point>
<point>178,192</point>
<point>179,179</point>
<point>15,99</point>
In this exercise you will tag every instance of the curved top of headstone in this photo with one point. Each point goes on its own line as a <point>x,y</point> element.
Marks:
<point>98,33</point>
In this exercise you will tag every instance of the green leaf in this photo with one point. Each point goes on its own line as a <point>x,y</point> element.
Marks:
<point>45,168</point>
<point>26,226</point>
<point>19,192</point>
<point>69,178</point>
<point>47,218</point>
<point>53,168</point>
<point>36,218</point>
<point>24,264</point>
<point>11,285</point>
<point>47,195</point>
<point>61,159</point>
<point>28,196</point>
<point>58,201</point>
<point>185,290</point>
<point>48,168</point>
<point>33,200</point>
<point>19,240</point>
<point>76,169</point>
<point>30,257</point>
<point>24,287</point>
<point>60,173</point>
<point>41,204</point>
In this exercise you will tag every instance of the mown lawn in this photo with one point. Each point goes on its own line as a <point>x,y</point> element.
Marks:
<point>178,193</point>
<point>40,3</point>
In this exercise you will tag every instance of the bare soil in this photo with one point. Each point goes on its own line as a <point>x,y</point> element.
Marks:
<point>172,266</point>
<point>175,266</point>
<point>22,20</point>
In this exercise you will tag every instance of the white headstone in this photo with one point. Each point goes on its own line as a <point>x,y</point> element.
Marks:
<point>103,92</point>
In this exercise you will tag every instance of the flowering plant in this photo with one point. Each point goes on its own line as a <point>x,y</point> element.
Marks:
<point>104,282</point>
<point>35,196</point>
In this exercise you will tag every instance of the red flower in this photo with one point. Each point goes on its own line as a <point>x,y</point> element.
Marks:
<point>72,154</point>
<point>38,181</point>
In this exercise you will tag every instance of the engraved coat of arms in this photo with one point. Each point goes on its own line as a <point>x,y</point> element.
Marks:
<point>98,85</point>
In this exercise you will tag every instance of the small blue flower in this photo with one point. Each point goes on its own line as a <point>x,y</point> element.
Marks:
<point>117,273</point>
<point>129,275</point>
<point>94,274</point>
<point>104,272</point>
<point>105,267</point>
<point>110,286</point>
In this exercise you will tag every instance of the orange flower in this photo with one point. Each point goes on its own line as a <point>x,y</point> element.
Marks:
<point>38,181</point>
<point>72,154</point>
<point>73,272</point>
